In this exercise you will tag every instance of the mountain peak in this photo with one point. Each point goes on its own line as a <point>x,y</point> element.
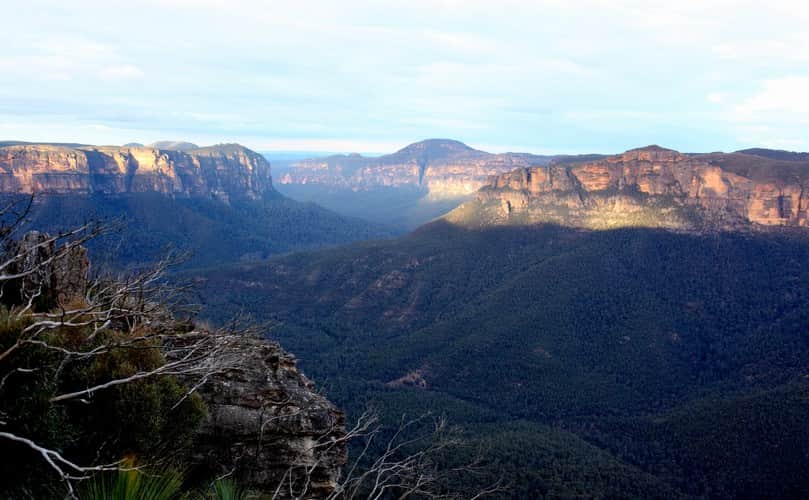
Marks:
<point>446,168</point>
<point>651,147</point>
<point>651,153</point>
<point>436,148</point>
<point>775,154</point>
<point>174,145</point>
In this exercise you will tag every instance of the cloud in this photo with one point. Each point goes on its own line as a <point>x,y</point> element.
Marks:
<point>121,72</point>
<point>774,114</point>
<point>350,74</point>
<point>778,98</point>
<point>715,97</point>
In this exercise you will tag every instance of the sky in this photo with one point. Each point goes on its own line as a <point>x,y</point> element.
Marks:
<point>550,76</point>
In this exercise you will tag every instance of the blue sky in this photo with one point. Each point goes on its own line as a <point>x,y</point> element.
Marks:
<point>539,76</point>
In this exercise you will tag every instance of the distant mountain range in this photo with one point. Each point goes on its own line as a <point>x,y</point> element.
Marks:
<point>649,187</point>
<point>776,154</point>
<point>652,187</point>
<point>444,168</point>
<point>409,187</point>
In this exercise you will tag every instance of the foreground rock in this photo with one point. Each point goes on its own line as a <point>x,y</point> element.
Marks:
<point>266,424</point>
<point>268,427</point>
<point>648,187</point>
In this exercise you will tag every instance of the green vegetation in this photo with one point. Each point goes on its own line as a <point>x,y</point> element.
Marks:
<point>141,420</point>
<point>635,210</point>
<point>631,362</point>
<point>213,232</point>
<point>224,489</point>
<point>134,485</point>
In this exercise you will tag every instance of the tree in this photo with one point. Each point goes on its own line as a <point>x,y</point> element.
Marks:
<point>89,366</point>
<point>406,461</point>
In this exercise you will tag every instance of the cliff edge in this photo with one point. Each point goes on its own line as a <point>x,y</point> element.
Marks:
<point>219,172</point>
<point>444,168</point>
<point>647,187</point>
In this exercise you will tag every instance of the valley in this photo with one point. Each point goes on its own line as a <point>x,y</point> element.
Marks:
<point>621,314</point>
<point>596,306</point>
<point>215,204</point>
<point>410,187</point>
<point>555,333</point>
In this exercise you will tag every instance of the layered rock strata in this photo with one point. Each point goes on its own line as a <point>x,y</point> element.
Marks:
<point>219,172</point>
<point>650,186</point>
<point>444,168</point>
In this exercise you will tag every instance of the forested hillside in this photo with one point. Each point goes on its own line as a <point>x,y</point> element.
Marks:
<point>143,227</point>
<point>675,361</point>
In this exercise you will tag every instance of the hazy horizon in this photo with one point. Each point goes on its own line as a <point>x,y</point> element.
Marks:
<point>284,155</point>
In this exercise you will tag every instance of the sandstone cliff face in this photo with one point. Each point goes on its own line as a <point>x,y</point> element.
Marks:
<point>649,187</point>
<point>444,168</point>
<point>218,172</point>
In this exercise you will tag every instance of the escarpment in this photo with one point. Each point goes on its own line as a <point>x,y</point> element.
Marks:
<point>649,187</point>
<point>219,172</point>
<point>444,168</point>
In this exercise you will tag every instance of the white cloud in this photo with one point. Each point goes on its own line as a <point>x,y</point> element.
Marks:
<point>121,72</point>
<point>774,115</point>
<point>49,67</point>
<point>778,97</point>
<point>715,97</point>
<point>340,72</point>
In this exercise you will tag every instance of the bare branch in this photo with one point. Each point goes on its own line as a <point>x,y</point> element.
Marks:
<point>62,466</point>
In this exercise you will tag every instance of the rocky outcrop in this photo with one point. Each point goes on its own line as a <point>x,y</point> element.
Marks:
<point>219,172</point>
<point>650,186</point>
<point>444,168</point>
<point>266,424</point>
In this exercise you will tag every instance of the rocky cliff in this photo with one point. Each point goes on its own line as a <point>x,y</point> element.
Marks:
<point>266,424</point>
<point>652,187</point>
<point>444,168</point>
<point>219,172</point>
<point>269,427</point>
